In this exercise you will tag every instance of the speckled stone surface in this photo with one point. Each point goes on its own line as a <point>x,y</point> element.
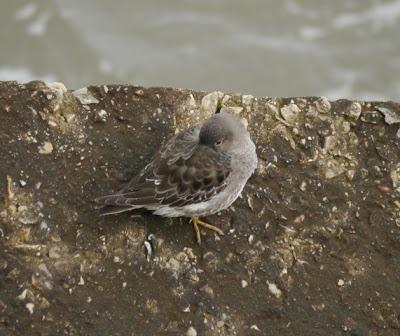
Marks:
<point>311,248</point>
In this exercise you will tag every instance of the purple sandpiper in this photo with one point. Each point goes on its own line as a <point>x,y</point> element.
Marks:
<point>198,172</point>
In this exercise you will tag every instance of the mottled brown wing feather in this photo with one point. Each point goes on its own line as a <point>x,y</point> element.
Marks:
<point>183,182</point>
<point>193,180</point>
<point>181,145</point>
<point>182,172</point>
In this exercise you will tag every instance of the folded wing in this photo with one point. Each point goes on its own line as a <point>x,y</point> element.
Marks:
<point>182,172</point>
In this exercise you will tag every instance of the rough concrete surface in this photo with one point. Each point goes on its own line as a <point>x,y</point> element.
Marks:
<point>312,247</point>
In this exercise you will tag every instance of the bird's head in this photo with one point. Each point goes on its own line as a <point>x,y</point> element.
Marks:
<point>223,132</point>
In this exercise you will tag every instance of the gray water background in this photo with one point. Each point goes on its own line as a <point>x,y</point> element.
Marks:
<point>336,48</point>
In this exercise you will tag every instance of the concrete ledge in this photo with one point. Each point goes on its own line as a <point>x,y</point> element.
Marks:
<point>311,248</point>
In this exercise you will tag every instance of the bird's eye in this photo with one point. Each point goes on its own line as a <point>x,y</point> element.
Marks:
<point>219,142</point>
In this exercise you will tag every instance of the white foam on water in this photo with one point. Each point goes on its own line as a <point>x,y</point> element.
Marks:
<point>345,89</point>
<point>339,92</point>
<point>293,7</point>
<point>23,75</point>
<point>26,12</point>
<point>272,42</point>
<point>290,47</point>
<point>381,14</point>
<point>105,66</point>
<point>311,33</point>
<point>188,17</point>
<point>39,26</point>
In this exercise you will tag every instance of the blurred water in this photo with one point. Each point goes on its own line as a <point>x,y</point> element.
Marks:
<point>341,48</point>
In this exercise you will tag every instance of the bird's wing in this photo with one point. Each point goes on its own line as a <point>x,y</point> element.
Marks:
<point>181,145</point>
<point>194,180</point>
<point>182,172</point>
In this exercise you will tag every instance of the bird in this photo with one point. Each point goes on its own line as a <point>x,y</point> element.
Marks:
<point>198,172</point>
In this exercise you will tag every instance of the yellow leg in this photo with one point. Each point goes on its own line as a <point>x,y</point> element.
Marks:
<point>197,222</point>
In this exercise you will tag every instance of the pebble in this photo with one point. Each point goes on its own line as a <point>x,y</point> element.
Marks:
<point>172,263</point>
<point>209,103</point>
<point>101,116</point>
<point>191,332</point>
<point>220,324</point>
<point>46,148</point>
<point>30,306</point>
<point>271,108</point>
<point>22,296</point>
<point>354,111</point>
<point>84,96</point>
<point>250,202</point>
<point>139,92</point>
<point>191,102</point>
<point>299,219</point>
<point>236,110</point>
<point>57,87</point>
<point>395,176</point>
<point>383,188</point>
<point>340,282</point>
<point>290,113</point>
<point>69,117</point>
<point>43,268</point>
<point>247,101</point>
<point>274,290</point>
<point>332,168</point>
<point>44,226</point>
<point>244,283</point>
<point>28,218</point>
<point>54,252</point>
<point>208,290</point>
<point>322,105</point>
<point>391,117</point>
<point>250,239</point>
<point>225,99</point>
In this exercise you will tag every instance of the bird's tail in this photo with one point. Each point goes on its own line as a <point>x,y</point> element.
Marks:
<point>114,204</point>
<point>111,210</point>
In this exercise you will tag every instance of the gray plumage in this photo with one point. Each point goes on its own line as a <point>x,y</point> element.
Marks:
<point>198,172</point>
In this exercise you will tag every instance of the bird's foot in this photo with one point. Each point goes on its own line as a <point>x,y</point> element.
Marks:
<point>197,222</point>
